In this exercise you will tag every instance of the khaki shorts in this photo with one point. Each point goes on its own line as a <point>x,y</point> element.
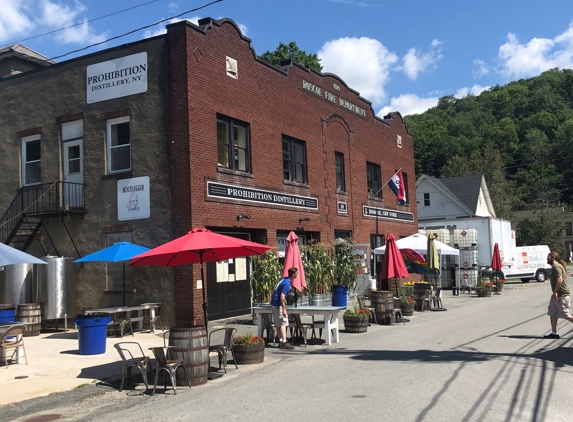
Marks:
<point>278,318</point>
<point>559,308</point>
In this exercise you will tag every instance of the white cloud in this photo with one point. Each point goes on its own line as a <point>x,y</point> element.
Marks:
<point>14,21</point>
<point>482,68</point>
<point>416,62</point>
<point>538,55</point>
<point>365,68</point>
<point>160,29</point>
<point>173,7</point>
<point>474,90</point>
<point>408,104</point>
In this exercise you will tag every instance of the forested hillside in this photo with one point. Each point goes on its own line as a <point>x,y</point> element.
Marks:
<point>519,135</point>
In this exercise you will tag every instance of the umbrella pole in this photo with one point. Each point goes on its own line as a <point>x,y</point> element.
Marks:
<point>209,376</point>
<point>123,285</point>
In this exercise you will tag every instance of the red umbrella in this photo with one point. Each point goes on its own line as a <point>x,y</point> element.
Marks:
<point>196,247</point>
<point>496,259</point>
<point>393,265</point>
<point>293,259</point>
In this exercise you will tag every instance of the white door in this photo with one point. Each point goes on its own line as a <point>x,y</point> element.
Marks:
<point>73,173</point>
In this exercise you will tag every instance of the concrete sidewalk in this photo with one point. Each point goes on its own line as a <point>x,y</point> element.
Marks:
<point>55,365</point>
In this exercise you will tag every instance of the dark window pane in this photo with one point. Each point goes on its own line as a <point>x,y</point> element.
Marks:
<point>120,134</point>
<point>33,173</point>
<point>120,158</point>
<point>33,150</point>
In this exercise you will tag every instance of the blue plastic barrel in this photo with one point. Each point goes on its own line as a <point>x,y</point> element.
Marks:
<point>339,295</point>
<point>7,313</point>
<point>92,332</point>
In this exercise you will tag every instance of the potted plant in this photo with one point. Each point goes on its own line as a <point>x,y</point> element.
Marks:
<point>248,349</point>
<point>499,285</point>
<point>345,267</point>
<point>406,303</point>
<point>265,276</point>
<point>483,288</point>
<point>356,319</point>
<point>318,270</point>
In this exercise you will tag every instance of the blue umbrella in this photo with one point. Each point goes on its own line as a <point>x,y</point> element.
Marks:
<point>119,252</point>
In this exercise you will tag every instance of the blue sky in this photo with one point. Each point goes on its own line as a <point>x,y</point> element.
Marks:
<point>402,56</point>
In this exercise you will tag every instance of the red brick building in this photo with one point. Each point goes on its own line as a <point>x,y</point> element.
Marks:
<point>230,143</point>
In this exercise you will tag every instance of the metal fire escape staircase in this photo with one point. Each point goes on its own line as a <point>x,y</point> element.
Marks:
<point>34,205</point>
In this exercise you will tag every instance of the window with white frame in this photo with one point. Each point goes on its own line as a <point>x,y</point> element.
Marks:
<point>31,160</point>
<point>118,145</point>
<point>233,144</point>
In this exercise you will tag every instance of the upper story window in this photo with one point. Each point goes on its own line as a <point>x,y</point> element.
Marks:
<point>427,199</point>
<point>118,145</point>
<point>31,160</point>
<point>373,178</point>
<point>339,164</point>
<point>294,160</point>
<point>568,228</point>
<point>233,144</point>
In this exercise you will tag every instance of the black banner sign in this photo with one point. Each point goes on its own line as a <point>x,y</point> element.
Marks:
<point>241,193</point>
<point>386,213</point>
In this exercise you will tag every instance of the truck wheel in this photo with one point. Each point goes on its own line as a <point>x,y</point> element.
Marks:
<point>525,280</point>
<point>541,276</point>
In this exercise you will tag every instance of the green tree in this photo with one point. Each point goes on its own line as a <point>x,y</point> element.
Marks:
<point>291,52</point>
<point>545,228</point>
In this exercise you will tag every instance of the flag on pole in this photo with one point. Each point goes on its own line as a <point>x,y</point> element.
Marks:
<point>396,183</point>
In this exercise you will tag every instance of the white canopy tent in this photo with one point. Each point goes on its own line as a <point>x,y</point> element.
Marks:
<point>419,243</point>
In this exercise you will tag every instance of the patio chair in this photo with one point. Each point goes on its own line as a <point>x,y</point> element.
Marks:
<point>223,348</point>
<point>428,299</point>
<point>133,357</point>
<point>168,365</point>
<point>152,321</point>
<point>269,326</point>
<point>320,324</point>
<point>13,339</point>
<point>298,328</point>
<point>362,304</point>
<point>120,322</point>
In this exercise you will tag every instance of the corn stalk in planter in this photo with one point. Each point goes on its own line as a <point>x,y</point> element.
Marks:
<point>265,276</point>
<point>318,267</point>
<point>345,266</point>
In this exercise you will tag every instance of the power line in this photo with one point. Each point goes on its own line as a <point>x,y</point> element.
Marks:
<point>136,30</point>
<point>78,24</point>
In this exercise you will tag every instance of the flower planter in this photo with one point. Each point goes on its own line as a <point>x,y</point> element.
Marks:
<point>407,308</point>
<point>485,292</point>
<point>356,324</point>
<point>246,354</point>
<point>499,287</point>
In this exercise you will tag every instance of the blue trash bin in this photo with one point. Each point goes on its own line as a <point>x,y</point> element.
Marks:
<point>7,313</point>
<point>339,295</point>
<point>92,332</point>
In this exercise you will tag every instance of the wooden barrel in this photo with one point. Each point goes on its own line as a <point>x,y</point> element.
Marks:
<point>195,346</point>
<point>247,354</point>
<point>383,301</point>
<point>355,324</point>
<point>30,314</point>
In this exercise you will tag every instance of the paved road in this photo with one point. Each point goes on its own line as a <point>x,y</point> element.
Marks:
<point>481,360</point>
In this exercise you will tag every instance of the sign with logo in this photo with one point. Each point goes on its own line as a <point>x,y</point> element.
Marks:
<point>240,193</point>
<point>342,208</point>
<point>372,212</point>
<point>116,78</point>
<point>133,199</point>
<point>282,241</point>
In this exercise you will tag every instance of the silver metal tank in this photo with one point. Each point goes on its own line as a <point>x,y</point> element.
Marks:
<point>18,284</point>
<point>57,287</point>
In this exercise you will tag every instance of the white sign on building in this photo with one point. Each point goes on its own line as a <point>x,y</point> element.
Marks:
<point>116,78</point>
<point>133,198</point>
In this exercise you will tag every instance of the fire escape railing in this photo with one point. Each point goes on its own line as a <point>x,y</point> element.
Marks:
<point>46,200</point>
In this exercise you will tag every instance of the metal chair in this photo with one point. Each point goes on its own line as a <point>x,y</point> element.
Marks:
<point>132,357</point>
<point>362,304</point>
<point>152,321</point>
<point>223,348</point>
<point>121,321</point>
<point>168,365</point>
<point>13,339</point>
<point>269,326</point>
<point>297,327</point>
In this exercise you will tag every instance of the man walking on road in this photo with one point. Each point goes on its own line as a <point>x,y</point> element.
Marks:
<point>560,299</point>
